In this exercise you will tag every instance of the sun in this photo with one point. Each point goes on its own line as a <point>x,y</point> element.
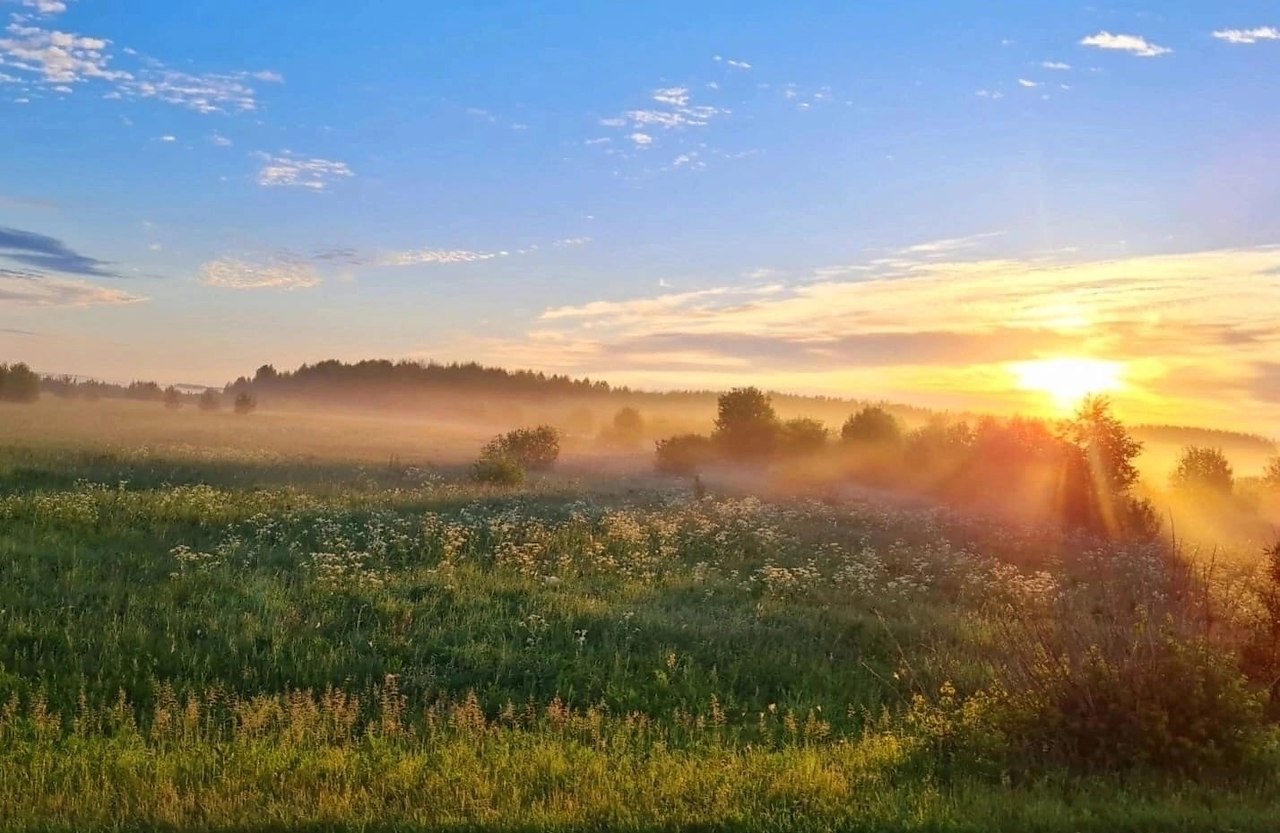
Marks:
<point>1068,380</point>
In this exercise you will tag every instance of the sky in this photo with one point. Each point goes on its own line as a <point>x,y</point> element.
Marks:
<point>906,201</point>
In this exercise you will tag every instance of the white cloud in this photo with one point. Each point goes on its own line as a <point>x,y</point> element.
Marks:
<point>168,138</point>
<point>63,58</point>
<point>989,94</point>
<point>1133,44</point>
<point>1025,83</point>
<point>415,257</point>
<point>731,62</point>
<point>1059,65</point>
<point>572,241</point>
<point>1241,36</point>
<point>45,7</point>
<point>641,139</point>
<point>268,75</point>
<point>674,96</point>
<point>287,170</point>
<point>220,140</point>
<point>57,57</point>
<point>230,273</point>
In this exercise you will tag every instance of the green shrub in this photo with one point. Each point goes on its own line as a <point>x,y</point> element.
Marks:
<point>530,448</point>
<point>1158,700</point>
<point>497,471</point>
<point>683,454</point>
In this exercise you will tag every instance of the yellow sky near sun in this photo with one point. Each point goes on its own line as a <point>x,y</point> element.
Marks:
<point>1187,338</point>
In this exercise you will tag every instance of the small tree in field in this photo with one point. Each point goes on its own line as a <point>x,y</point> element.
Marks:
<point>18,383</point>
<point>172,398</point>
<point>1271,475</point>
<point>746,424</point>
<point>872,426</point>
<point>1204,470</point>
<point>245,404</point>
<point>210,400</point>
<point>802,436</point>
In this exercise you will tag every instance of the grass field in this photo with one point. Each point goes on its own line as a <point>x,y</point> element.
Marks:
<point>283,622</point>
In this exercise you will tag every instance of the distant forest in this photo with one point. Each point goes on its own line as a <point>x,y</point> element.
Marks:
<point>472,389</point>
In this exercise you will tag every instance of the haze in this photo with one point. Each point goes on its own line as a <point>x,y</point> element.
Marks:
<point>938,205</point>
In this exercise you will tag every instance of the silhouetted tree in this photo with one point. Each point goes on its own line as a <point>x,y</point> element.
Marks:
<point>746,425</point>
<point>626,430</point>
<point>1205,470</point>
<point>683,454</point>
<point>172,398</point>
<point>802,436</point>
<point>1271,474</point>
<point>210,400</point>
<point>245,404</point>
<point>874,426</point>
<point>18,383</point>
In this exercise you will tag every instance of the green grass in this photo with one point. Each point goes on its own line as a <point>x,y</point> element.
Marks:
<point>266,629</point>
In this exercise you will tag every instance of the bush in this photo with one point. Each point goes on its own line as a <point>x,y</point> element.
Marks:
<point>497,471</point>
<point>626,430</point>
<point>1095,696</point>
<point>1204,470</point>
<point>18,383</point>
<point>683,454</point>
<point>530,448</point>
<point>1261,653</point>
<point>245,404</point>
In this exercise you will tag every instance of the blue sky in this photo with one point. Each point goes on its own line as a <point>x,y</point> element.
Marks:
<point>653,193</point>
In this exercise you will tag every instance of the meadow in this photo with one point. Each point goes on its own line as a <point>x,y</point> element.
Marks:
<point>294,622</point>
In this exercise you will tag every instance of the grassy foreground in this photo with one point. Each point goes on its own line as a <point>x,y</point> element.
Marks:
<point>237,633</point>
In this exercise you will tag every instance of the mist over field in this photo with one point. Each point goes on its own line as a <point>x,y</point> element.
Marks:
<point>508,417</point>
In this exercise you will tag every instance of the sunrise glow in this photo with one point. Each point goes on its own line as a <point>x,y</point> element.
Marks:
<point>1068,380</point>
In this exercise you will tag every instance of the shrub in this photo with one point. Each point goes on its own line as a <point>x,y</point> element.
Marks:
<point>1204,470</point>
<point>683,454</point>
<point>746,425</point>
<point>1261,653</point>
<point>1136,696</point>
<point>530,448</point>
<point>497,471</point>
<point>245,404</point>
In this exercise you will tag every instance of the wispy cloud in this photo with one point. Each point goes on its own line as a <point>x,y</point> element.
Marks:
<point>1133,44</point>
<point>1023,82</point>
<point>288,170</point>
<point>49,254</point>
<point>278,273</point>
<point>730,62</point>
<point>943,324</point>
<point>1058,65</point>
<point>415,257</point>
<point>641,139</point>
<point>1246,36</point>
<point>29,289</point>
